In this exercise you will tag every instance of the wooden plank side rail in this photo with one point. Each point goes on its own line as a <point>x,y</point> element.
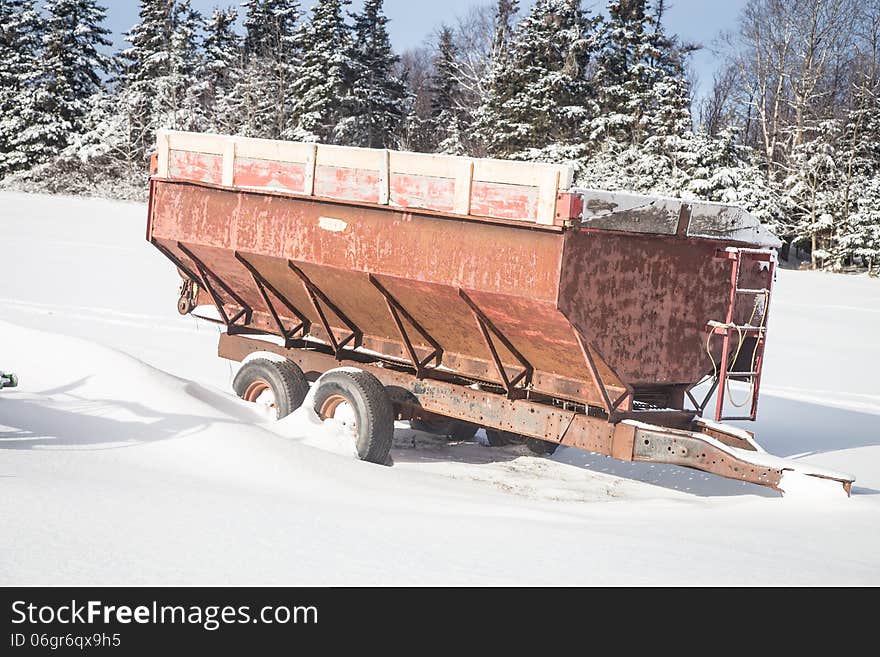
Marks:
<point>523,191</point>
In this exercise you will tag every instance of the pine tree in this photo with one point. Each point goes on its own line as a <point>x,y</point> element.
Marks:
<point>158,79</point>
<point>505,13</point>
<point>417,132</point>
<point>270,26</point>
<point>669,95</point>
<point>857,234</point>
<point>264,95</point>
<point>813,186</point>
<point>622,73</point>
<point>322,73</point>
<point>643,89</point>
<point>221,70</point>
<point>376,99</point>
<point>539,95</point>
<point>723,170</point>
<point>21,31</point>
<point>141,69</point>
<point>860,236</point>
<point>73,65</point>
<point>446,113</point>
<point>183,87</point>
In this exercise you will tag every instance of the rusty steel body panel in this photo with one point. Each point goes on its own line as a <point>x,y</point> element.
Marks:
<point>424,261</point>
<point>638,303</point>
<point>643,301</point>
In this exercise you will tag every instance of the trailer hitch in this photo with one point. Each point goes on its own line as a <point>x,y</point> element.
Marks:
<point>189,291</point>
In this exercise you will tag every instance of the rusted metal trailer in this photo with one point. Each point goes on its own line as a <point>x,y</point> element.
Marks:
<point>463,293</point>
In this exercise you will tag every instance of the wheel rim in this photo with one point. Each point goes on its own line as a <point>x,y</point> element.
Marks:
<point>260,392</point>
<point>338,408</point>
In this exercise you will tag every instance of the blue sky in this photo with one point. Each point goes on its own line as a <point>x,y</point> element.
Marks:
<point>414,21</point>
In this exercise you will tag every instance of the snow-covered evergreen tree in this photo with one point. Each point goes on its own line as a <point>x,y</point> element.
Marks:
<point>640,77</point>
<point>813,187</point>
<point>185,110</point>
<point>539,95</point>
<point>221,70</point>
<point>270,26</point>
<point>505,15</point>
<point>446,113</point>
<point>322,73</point>
<point>73,65</point>
<point>264,94</point>
<point>21,33</point>
<point>858,233</point>
<point>621,76</point>
<point>147,57</point>
<point>159,82</point>
<point>143,67</point>
<point>721,169</point>
<point>376,99</point>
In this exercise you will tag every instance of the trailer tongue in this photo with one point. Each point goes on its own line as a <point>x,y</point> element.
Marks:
<point>489,293</point>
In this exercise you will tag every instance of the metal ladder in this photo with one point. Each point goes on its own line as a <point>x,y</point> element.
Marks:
<point>729,328</point>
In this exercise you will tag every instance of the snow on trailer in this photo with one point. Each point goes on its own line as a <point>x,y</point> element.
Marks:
<point>463,293</point>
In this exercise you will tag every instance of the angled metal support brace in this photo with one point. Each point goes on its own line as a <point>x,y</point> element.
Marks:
<point>397,310</point>
<point>700,407</point>
<point>195,278</point>
<point>317,298</point>
<point>487,329</point>
<point>619,400</point>
<point>264,287</point>
<point>245,312</point>
<point>611,407</point>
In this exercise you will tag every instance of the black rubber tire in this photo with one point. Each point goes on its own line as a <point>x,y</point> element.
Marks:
<point>463,432</point>
<point>373,410</point>
<point>541,447</point>
<point>285,378</point>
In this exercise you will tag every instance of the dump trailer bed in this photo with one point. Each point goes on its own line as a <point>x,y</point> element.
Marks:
<point>490,292</point>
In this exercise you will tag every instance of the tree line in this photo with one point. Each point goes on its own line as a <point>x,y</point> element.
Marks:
<point>790,130</point>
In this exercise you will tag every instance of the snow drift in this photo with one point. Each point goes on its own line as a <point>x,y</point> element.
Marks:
<point>125,459</point>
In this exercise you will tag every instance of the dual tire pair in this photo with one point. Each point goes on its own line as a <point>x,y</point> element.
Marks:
<point>282,385</point>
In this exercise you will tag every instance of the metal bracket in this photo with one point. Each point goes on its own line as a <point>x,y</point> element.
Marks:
<point>611,407</point>
<point>177,262</point>
<point>246,311</point>
<point>396,310</point>
<point>700,407</point>
<point>264,287</point>
<point>315,295</point>
<point>487,329</point>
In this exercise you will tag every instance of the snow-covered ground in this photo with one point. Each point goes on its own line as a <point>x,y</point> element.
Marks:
<point>125,459</point>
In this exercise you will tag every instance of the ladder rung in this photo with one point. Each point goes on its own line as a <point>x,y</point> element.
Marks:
<point>745,290</point>
<point>737,417</point>
<point>742,373</point>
